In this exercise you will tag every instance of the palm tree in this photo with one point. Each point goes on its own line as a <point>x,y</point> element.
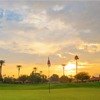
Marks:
<point>76,58</point>
<point>1,64</point>
<point>19,66</point>
<point>41,72</point>
<point>63,65</point>
<point>35,69</point>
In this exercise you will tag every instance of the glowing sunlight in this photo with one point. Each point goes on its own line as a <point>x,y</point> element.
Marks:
<point>70,66</point>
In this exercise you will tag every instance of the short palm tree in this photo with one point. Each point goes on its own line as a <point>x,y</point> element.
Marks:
<point>1,64</point>
<point>35,69</point>
<point>19,66</point>
<point>41,72</point>
<point>76,58</point>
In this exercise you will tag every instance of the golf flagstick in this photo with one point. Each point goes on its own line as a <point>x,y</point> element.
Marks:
<point>49,64</point>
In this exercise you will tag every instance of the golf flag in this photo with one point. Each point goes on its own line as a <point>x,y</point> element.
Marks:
<point>48,62</point>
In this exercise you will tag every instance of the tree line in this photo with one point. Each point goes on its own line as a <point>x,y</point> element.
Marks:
<point>41,78</point>
<point>35,77</point>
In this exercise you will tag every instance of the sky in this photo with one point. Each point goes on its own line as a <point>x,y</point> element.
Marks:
<point>32,30</point>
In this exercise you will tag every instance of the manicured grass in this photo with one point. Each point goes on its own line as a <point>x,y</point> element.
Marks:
<point>56,94</point>
<point>45,86</point>
<point>69,91</point>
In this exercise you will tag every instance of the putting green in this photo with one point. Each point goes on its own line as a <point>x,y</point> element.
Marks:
<point>56,94</point>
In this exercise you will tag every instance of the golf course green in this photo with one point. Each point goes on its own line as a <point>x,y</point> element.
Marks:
<point>73,91</point>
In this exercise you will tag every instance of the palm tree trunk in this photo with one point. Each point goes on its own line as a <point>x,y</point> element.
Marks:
<point>76,67</point>
<point>0,71</point>
<point>18,73</point>
<point>63,71</point>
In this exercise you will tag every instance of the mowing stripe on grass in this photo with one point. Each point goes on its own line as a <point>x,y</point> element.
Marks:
<point>56,94</point>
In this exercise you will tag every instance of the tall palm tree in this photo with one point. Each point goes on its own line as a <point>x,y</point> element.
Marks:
<point>35,69</point>
<point>19,66</point>
<point>1,64</point>
<point>76,58</point>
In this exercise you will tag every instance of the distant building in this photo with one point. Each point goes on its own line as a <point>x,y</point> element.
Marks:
<point>94,79</point>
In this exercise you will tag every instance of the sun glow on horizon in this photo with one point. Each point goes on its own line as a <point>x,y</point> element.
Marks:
<point>70,66</point>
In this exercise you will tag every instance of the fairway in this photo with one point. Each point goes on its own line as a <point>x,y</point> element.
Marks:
<point>56,94</point>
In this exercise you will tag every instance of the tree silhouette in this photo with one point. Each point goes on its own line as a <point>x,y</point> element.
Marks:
<point>54,78</point>
<point>19,66</point>
<point>76,58</point>
<point>1,64</point>
<point>82,76</point>
<point>64,79</point>
<point>23,78</point>
<point>35,78</point>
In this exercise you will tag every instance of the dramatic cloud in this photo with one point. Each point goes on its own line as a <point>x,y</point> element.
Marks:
<point>91,48</point>
<point>58,28</point>
<point>58,8</point>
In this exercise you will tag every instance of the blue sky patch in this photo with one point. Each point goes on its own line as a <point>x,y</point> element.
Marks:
<point>1,13</point>
<point>11,15</point>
